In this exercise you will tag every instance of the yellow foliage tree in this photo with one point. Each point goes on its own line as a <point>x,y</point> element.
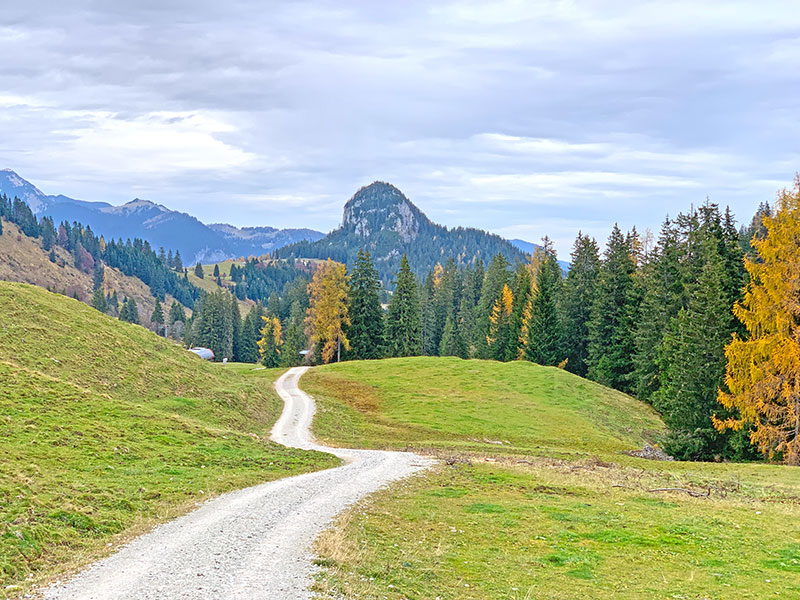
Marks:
<point>524,328</point>
<point>763,371</point>
<point>438,273</point>
<point>501,344</point>
<point>327,312</point>
<point>270,342</point>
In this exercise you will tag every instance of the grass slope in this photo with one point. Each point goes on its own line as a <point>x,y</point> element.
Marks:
<point>23,259</point>
<point>107,429</point>
<point>555,511</point>
<point>515,407</point>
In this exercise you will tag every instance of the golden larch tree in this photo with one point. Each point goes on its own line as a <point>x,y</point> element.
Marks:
<point>327,312</point>
<point>270,342</point>
<point>763,371</point>
<point>501,341</point>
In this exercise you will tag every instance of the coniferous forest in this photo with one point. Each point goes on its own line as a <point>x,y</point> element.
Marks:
<point>648,314</point>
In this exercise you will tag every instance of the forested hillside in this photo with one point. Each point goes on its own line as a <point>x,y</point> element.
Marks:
<point>650,317</point>
<point>380,219</point>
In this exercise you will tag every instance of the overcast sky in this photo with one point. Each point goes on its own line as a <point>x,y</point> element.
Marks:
<point>525,118</point>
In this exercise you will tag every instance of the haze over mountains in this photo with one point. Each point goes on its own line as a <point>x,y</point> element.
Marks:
<point>378,217</point>
<point>196,241</point>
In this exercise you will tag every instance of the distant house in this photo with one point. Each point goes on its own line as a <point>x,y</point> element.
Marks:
<point>204,353</point>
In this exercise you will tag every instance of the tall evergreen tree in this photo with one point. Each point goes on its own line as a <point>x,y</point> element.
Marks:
<point>663,297</point>
<point>466,322</point>
<point>124,315</point>
<point>693,355</point>
<point>98,275</point>
<point>403,321</point>
<point>249,335</point>
<point>198,271</point>
<point>496,277</point>
<point>501,339</point>
<point>133,311</point>
<point>611,345</point>
<point>366,316</point>
<point>579,289</point>
<point>544,329</point>
<point>157,318</point>
<point>236,328</point>
<point>99,300</point>
<point>295,339</point>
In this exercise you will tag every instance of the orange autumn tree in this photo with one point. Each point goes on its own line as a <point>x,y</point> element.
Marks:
<point>327,312</point>
<point>763,371</point>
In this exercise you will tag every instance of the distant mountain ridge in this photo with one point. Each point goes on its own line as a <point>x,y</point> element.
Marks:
<point>196,241</point>
<point>381,219</point>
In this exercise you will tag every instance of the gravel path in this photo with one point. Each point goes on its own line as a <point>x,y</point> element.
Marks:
<point>250,544</point>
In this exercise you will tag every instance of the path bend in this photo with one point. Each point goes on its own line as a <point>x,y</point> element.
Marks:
<point>251,544</point>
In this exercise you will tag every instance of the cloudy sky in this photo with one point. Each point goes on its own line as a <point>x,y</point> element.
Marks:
<point>526,118</point>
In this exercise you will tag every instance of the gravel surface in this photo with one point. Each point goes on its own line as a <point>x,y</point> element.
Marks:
<point>250,544</point>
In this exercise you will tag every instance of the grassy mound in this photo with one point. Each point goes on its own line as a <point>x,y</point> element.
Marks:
<point>537,499</point>
<point>516,407</point>
<point>106,429</point>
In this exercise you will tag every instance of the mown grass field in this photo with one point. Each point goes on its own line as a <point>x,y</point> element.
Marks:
<point>555,510</point>
<point>107,429</point>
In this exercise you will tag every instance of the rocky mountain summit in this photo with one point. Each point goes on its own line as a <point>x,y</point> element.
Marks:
<point>381,219</point>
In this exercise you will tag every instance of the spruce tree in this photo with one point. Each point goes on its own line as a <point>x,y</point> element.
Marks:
<point>466,322</point>
<point>496,278</point>
<point>177,261</point>
<point>176,313</point>
<point>198,271</point>
<point>99,300</point>
<point>579,290</point>
<point>544,330</point>
<point>693,355</point>
<point>403,321</point>
<point>113,302</point>
<point>216,271</point>
<point>295,341</point>
<point>611,346</point>
<point>133,311</point>
<point>501,339</point>
<point>98,275</point>
<point>157,318</point>
<point>663,295</point>
<point>236,327</point>
<point>124,315</point>
<point>366,316</point>
<point>249,335</point>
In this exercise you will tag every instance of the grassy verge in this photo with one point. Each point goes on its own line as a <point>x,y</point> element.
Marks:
<point>555,511</point>
<point>107,429</point>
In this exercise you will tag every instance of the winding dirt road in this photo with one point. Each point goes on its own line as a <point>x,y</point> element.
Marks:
<point>250,544</point>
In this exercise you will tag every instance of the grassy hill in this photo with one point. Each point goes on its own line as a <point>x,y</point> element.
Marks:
<point>515,407</point>
<point>107,429</point>
<point>22,259</point>
<point>535,499</point>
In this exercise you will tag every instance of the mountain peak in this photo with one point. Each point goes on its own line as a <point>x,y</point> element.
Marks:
<point>12,185</point>
<point>137,205</point>
<point>380,206</point>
